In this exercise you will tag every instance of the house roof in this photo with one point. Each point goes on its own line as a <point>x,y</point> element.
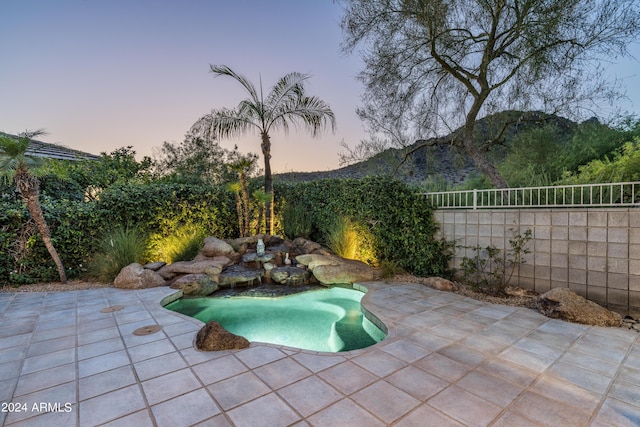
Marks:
<point>46,150</point>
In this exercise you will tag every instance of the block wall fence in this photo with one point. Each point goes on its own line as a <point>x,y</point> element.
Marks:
<point>594,251</point>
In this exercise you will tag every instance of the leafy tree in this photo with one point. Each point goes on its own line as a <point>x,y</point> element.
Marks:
<point>439,63</point>
<point>286,104</point>
<point>16,164</point>
<point>193,161</point>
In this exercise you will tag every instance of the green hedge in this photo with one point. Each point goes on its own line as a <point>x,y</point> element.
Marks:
<point>401,223</point>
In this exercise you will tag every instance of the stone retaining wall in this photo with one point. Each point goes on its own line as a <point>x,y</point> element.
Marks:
<point>595,251</point>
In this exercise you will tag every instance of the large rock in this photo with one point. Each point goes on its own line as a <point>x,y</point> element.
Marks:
<point>212,267</point>
<point>135,276</point>
<point>292,276</point>
<point>213,337</point>
<point>348,271</point>
<point>440,284</point>
<point>237,274</point>
<point>215,247</point>
<point>565,304</point>
<point>314,260</point>
<point>195,285</point>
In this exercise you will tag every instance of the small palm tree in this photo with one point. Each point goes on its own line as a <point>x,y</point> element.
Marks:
<point>287,103</point>
<point>14,163</point>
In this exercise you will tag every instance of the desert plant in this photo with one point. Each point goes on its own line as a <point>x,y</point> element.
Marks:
<point>183,244</point>
<point>342,238</point>
<point>486,269</point>
<point>118,248</point>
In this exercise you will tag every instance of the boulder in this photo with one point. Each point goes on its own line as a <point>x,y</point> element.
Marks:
<point>238,274</point>
<point>155,266</point>
<point>215,247</point>
<point>314,260</point>
<point>212,266</point>
<point>348,271</point>
<point>292,276</point>
<point>565,304</point>
<point>195,285</point>
<point>213,337</point>
<point>440,284</point>
<point>135,276</point>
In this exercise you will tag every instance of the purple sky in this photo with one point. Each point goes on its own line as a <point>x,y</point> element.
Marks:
<point>103,74</point>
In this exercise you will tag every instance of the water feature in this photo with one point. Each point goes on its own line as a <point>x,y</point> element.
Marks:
<point>328,320</point>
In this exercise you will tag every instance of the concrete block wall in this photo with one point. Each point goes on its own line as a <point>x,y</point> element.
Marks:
<point>594,251</point>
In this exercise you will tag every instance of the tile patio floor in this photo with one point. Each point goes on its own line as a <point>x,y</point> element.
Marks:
<point>448,361</point>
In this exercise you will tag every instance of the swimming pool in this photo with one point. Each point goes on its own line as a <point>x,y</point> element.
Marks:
<point>328,320</point>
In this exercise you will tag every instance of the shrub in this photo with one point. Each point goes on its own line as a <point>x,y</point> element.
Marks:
<point>296,221</point>
<point>342,238</point>
<point>397,224</point>
<point>487,268</point>
<point>118,248</point>
<point>181,245</point>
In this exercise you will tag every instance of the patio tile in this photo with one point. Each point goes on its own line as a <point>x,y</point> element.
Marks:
<point>526,358</point>
<point>160,365</point>
<point>64,393</point>
<point>268,410</point>
<point>590,362</point>
<point>99,348</point>
<point>561,391</point>
<point>7,388</point>
<point>49,346</point>
<point>97,336</point>
<point>103,363</point>
<point>617,413</point>
<point>516,374</point>
<point>385,401</point>
<point>15,341</point>
<point>217,421</point>
<point>317,362</point>
<point>183,341</point>
<point>259,355</point>
<point>405,350</point>
<point>96,325</point>
<point>348,377</point>
<point>475,412</point>
<point>238,389</point>
<point>105,382</point>
<point>219,369</point>
<point>461,354</point>
<point>150,350</point>
<point>539,348</point>
<point>309,395</point>
<point>344,413</point>
<point>110,406</point>
<point>417,382</point>
<point>442,366</point>
<point>378,362</point>
<point>137,419</point>
<point>281,373</point>
<point>13,354</point>
<point>22,327</point>
<point>491,388</point>
<point>627,392</point>
<point>426,415</point>
<point>614,351</point>
<point>169,386</point>
<point>576,375</point>
<point>66,419</point>
<point>185,410</point>
<point>548,412</point>
<point>511,419</point>
<point>45,379</point>
<point>49,360</point>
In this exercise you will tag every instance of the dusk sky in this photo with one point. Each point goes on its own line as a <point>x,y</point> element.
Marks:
<point>98,75</point>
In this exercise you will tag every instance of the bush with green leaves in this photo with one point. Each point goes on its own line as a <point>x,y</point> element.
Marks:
<point>118,248</point>
<point>400,223</point>
<point>296,221</point>
<point>486,270</point>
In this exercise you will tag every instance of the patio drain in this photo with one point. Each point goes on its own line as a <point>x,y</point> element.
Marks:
<point>147,330</point>
<point>112,309</point>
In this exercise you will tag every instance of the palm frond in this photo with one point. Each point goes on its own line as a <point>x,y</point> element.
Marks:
<point>286,90</point>
<point>308,111</point>
<point>223,70</point>
<point>222,123</point>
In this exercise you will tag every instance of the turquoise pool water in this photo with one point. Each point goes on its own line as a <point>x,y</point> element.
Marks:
<point>328,320</point>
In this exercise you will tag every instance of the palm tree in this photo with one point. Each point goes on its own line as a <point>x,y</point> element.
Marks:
<point>287,103</point>
<point>16,164</point>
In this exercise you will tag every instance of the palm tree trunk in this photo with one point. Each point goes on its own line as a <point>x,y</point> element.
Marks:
<point>268,181</point>
<point>247,206</point>
<point>28,187</point>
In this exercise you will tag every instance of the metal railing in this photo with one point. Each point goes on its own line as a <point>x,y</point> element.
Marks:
<point>585,195</point>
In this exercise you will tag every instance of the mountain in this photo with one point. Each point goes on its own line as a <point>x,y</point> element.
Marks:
<point>443,161</point>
